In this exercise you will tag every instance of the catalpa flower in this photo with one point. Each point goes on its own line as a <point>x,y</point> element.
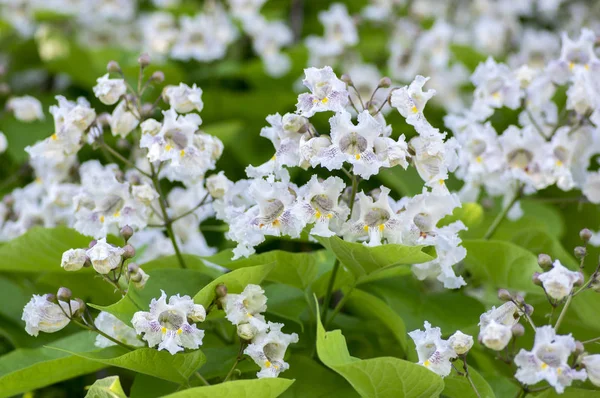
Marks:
<point>548,360</point>
<point>246,307</point>
<point>434,353</point>
<point>26,108</point>
<point>41,315</point>
<point>496,325</point>
<point>184,98</point>
<point>559,281</point>
<point>171,325</point>
<point>115,328</point>
<point>411,100</point>
<point>109,91</point>
<point>268,350</point>
<point>328,93</point>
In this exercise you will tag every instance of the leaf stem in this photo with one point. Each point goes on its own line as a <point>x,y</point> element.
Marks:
<point>500,217</point>
<point>202,379</point>
<point>339,306</point>
<point>237,360</point>
<point>563,312</point>
<point>123,159</point>
<point>468,376</point>
<point>101,333</point>
<point>591,340</point>
<point>327,300</point>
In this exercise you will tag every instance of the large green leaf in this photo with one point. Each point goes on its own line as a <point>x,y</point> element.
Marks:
<point>294,269</point>
<point>235,281</point>
<point>191,261</point>
<point>27,369</point>
<point>569,393</point>
<point>177,368</point>
<point>376,377</point>
<point>263,388</point>
<point>170,280</point>
<point>368,307</point>
<point>499,264</point>
<point>40,249</point>
<point>109,387</point>
<point>539,241</point>
<point>365,262</point>
<point>471,214</point>
<point>145,386</point>
<point>315,380</point>
<point>459,387</point>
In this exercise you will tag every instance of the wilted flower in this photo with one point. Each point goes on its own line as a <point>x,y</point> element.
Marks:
<point>73,259</point>
<point>42,315</point>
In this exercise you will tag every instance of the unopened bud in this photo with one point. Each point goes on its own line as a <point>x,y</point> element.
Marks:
<point>585,235</point>
<point>81,308</point>
<point>147,109</point>
<point>221,290</point>
<point>504,295</point>
<point>385,82</point>
<point>580,252</point>
<point>133,268</point>
<point>136,278</point>
<point>144,60</point>
<point>595,285</point>
<point>92,243</point>
<point>545,261</point>
<point>8,200</point>
<point>518,330</point>
<point>64,294</point>
<point>519,299</point>
<point>580,279</point>
<point>113,67</point>
<point>579,348</point>
<point>128,251</point>
<point>88,262</point>
<point>4,89</point>
<point>536,279</point>
<point>346,79</point>
<point>246,331</point>
<point>158,77</point>
<point>528,308</point>
<point>51,298</point>
<point>126,232</point>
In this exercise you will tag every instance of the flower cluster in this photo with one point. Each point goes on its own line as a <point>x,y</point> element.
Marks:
<point>266,343</point>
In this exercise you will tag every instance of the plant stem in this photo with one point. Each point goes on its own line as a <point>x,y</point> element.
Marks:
<point>114,284</point>
<point>326,301</point>
<point>101,333</point>
<point>591,341</point>
<point>466,368</point>
<point>563,312</point>
<point>191,210</point>
<point>202,379</point>
<point>124,159</point>
<point>235,363</point>
<point>168,221</point>
<point>338,307</point>
<point>500,217</point>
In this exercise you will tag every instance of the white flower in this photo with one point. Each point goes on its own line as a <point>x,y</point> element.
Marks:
<point>73,259</point>
<point>353,144</point>
<point>3,142</point>
<point>496,325</point>
<point>115,328</point>
<point>574,55</point>
<point>268,350</point>
<point>26,108</point>
<point>109,91</point>
<point>184,98</point>
<point>167,325</point>
<point>411,100</point>
<point>591,187</point>
<point>496,86</point>
<point>376,220</point>
<point>558,282</point>
<point>434,353</point>
<point>104,256</point>
<point>548,360</point>
<point>123,121</point>
<point>434,157</point>
<point>461,343</point>
<point>41,315</point>
<point>173,138</point>
<point>246,307</point>
<point>592,367</point>
<point>218,185</point>
<point>328,93</point>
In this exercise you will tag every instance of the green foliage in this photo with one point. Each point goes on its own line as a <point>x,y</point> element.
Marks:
<point>380,377</point>
<point>264,388</point>
<point>456,386</point>
<point>109,387</point>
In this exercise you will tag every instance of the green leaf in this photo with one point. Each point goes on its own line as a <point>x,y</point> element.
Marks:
<point>315,380</point>
<point>286,302</point>
<point>471,214</point>
<point>368,307</point>
<point>26,369</point>
<point>191,261</point>
<point>263,388</point>
<point>499,264</point>
<point>40,249</point>
<point>171,280</point>
<point>177,368</point>
<point>365,262</point>
<point>294,269</point>
<point>145,386</point>
<point>459,387</point>
<point>235,281</point>
<point>539,241</point>
<point>109,387</point>
<point>376,377</point>
<point>569,393</point>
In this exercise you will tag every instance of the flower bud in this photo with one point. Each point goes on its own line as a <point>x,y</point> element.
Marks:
<point>519,300</point>
<point>385,82</point>
<point>126,232</point>
<point>246,331</point>
<point>73,259</point>
<point>504,295</point>
<point>580,252</point>
<point>545,261</point>
<point>133,268</point>
<point>518,330</point>
<point>144,60</point>
<point>113,67</point>
<point>158,77</point>
<point>585,235</point>
<point>64,294</point>
<point>221,290</point>
<point>136,278</point>
<point>528,309</point>
<point>4,89</point>
<point>51,298</point>
<point>536,279</point>
<point>461,343</point>
<point>128,251</point>
<point>346,79</point>
<point>580,279</point>
<point>579,348</point>
<point>81,308</point>
<point>595,285</point>
<point>140,278</point>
